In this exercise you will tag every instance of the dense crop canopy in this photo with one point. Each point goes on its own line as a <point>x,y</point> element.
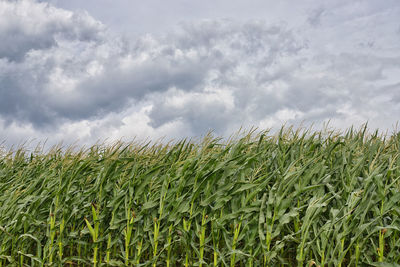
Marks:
<point>297,198</point>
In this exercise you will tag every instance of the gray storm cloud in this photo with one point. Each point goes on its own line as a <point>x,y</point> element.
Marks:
<point>28,26</point>
<point>65,74</point>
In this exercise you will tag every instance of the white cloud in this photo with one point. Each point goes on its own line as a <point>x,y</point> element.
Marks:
<point>27,25</point>
<point>65,76</point>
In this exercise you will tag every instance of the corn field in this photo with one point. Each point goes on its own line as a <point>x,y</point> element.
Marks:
<point>294,198</point>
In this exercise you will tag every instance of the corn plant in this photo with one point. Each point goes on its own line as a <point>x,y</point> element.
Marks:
<point>297,197</point>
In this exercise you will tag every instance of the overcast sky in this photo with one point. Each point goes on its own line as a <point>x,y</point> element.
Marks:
<point>73,70</point>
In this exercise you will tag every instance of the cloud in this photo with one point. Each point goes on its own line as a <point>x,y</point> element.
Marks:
<point>40,56</point>
<point>27,25</point>
<point>65,75</point>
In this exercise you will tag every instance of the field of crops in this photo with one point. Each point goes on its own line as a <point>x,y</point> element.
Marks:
<point>296,198</point>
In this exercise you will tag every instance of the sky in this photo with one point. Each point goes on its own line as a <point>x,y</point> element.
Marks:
<point>80,72</point>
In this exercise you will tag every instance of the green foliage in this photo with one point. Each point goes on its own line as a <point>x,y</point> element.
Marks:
<point>297,198</point>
